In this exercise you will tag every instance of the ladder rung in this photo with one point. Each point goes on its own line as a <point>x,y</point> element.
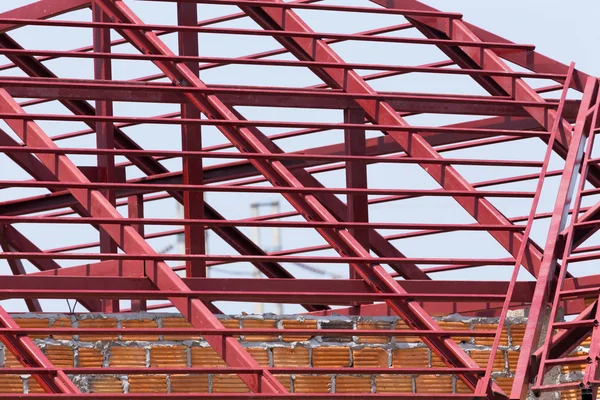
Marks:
<point>575,324</point>
<point>557,387</point>
<point>580,292</point>
<point>568,360</point>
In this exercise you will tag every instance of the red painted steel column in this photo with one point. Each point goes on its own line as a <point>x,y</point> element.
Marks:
<point>191,139</point>
<point>135,209</point>
<point>356,177</point>
<point>105,136</point>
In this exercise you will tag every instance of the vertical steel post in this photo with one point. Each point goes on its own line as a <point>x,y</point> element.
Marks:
<point>356,177</point>
<point>104,133</point>
<point>135,209</point>
<point>191,139</point>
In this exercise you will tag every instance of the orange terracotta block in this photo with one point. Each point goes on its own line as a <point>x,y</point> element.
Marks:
<point>570,394</point>
<point>565,369</point>
<point>98,323</point>
<point>34,386</point>
<point>353,384</point>
<point>373,325</point>
<point>393,384</point>
<point>312,384</point>
<point>127,357</point>
<point>433,384</point>
<point>168,356</point>
<point>481,357</point>
<point>401,325</point>
<point>60,356</point>
<point>260,355</point>
<point>512,358</point>
<point>106,384</point>
<point>231,323</point>
<point>504,383</point>
<point>455,326</point>
<point>436,361</point>
<point>10,361</point>
<point>33,323</point>
<point>370,357</point>
<point>206,357</point>
<point>295,324</point>
<point>461,387</point>
<point>488,341</point>
<point>416,357</point>
<point>177,322</point>
<point>189,383</point>
<point>517,332</point>
<point>148,384</point>
<point>228,383</point>
<point>90,357</point>
<point>285,380</point>
<point>62,323</point>
<point>291,357</point>
<point>139,323</point>
<point>259,324</point>
<point>331,357</point>
<point>11,384</point>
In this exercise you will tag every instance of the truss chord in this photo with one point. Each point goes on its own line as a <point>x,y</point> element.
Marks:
<point>254,32</point>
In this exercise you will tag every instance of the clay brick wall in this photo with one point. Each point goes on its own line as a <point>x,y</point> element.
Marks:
<point>323,350</point>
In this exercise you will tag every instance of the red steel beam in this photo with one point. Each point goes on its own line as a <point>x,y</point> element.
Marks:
<point>71,89</point>
<point>71,280</point>
<point>264,32</point>
<point>41,9</point>
<point>191,140</point>
<point>135,209</point>
<point>105,135</point>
